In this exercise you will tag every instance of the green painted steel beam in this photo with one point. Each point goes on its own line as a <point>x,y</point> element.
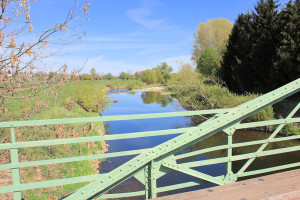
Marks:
<point>50,183</point>
<point>71,159</point>
<point>267,123</point>
<point>107,118</point>
<point>194,173</point>
<point>204,130</point>
<point>270,169</point>
<point>16,176</point>
<point>271,137</point>
<point>41,143</point>
<point>235,145</point>
<point>240,157</point>
<point>122,195</point>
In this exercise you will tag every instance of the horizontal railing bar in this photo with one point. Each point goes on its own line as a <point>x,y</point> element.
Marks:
<point>271,169</point>
<point>71,159</point>
<point>51,183</point>
<point>108,118</point>
<point>239,157</point>
<point>199,152</point>
<point>236,145</point>
<point>184,185</point>
<point>158,190</point>
<point>267,123</point>
<point>91,138</point>
<point>122,195</point>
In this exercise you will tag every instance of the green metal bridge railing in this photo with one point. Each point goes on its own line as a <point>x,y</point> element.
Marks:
<point>153,163</point>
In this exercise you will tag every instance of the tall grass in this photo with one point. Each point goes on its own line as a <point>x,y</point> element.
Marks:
<point>64,106</point>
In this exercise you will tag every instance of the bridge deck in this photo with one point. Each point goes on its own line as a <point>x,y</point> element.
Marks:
<point>284,185</point>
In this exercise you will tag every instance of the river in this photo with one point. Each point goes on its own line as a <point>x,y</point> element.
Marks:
<point>154,102</point>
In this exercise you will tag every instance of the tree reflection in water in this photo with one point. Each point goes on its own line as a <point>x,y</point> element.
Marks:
<point>156,97</point>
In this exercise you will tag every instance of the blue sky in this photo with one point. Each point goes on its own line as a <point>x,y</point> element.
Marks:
<point>134,35</point>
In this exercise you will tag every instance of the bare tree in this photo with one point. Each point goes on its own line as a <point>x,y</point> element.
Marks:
<point>21,60</point>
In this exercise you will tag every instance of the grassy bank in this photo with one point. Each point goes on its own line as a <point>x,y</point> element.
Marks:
<point>65,105</point>
<point>196,92</point>
<point>117,84</point>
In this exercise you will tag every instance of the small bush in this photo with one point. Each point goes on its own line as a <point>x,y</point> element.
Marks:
<point>131,86</point>
<point>290,129</point>
<point>91,98</point>
<point>111,86</point>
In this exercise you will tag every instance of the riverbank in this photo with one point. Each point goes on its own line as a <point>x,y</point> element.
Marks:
<point>160,89</point>
<point>65,107</point>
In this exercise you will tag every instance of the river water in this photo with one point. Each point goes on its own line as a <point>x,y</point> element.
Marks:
<point>154,102</point>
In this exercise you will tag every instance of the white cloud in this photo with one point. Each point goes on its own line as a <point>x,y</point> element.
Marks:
<point>112,39</point>
<point>143,14</point>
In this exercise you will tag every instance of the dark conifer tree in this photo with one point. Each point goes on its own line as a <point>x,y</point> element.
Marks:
<point>236,64</point>
<point>287,63</point>
<point>265,42</point>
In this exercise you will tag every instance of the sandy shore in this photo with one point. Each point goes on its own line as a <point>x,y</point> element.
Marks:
<point>152,89</point>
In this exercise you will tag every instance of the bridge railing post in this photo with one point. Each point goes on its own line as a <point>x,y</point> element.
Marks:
<point>16,176</point>
<point>229,176</point>
<point>150,182</point>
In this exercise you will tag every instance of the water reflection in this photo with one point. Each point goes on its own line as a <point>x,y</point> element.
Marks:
<point>156,97</point>
<point>153,102</point>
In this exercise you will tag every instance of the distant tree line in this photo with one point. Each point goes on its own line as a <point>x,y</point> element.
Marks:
<point>159,74</point>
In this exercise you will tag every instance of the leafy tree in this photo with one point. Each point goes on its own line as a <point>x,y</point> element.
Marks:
<point>159,77</point>
<point>208,63</point>
<point>133,77</point>
<point>148,76</point>
<point>214,33</point>
<point>86,77</point>
<point>138,74</point>
<point>108,76</point>
<point>94,74</point>
<point>124,76</point>
<point>165,70</point>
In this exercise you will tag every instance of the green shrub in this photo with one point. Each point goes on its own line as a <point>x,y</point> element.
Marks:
<point>131,86</point>
<point>111,86</point>
<point>91,98</point>
<point>290,129</point>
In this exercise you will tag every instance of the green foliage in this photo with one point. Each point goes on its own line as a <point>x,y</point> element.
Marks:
<point>124,76</point>
<point>163,72</point>
<point>137,74</point>
<point>208,63</point>
<point>290,129</point>
<point>263,49</point>
<point>196,92</point>
<point>160,78</point>
<point>148,76</point>
<point>108,76</point>
<point>94,74</point>
<point>86,77</point>
<point>93,99</point>
<point>131,86</point>
<point>214,33</point>
<point>286,64</point>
